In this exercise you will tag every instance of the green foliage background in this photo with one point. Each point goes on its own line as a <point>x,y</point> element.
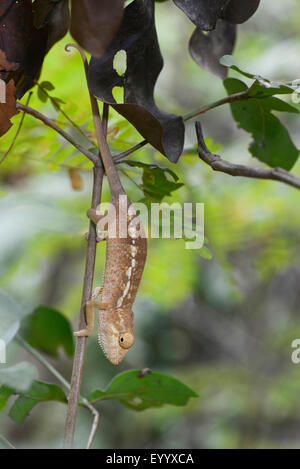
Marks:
<point>224,326</point>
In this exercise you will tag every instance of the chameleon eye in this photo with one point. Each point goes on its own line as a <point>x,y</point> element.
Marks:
<point>126,340</point>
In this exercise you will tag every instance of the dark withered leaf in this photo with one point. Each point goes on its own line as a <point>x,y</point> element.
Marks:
<point>22,43</point>
<point>207,49</point>
<point>5,64</point>
<point>27,31</point>
<point>7,109</point>
<point>238,11</point>
<point>205,13</point>
<point>95,22</point>
<point>58,22</point>
<point>137,36</point>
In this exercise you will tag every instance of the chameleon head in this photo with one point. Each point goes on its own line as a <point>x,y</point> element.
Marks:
<point>116,335</point>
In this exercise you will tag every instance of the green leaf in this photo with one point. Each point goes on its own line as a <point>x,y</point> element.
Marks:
<point>155,183</point>
<point>150,167</point>
<point>10,314</point>
<point>42,95</point>
<point>39,392</point>
<point>47,85</point>
<point>5,393</point>
<point>19,377</point>
<point>47,329</point>
<point>205,253</point>
<point>139,393</point>
<point>21,408</point>
<point>262,86</point>
<point>271,141</point>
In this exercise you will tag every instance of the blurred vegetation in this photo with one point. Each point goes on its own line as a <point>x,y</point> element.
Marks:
<point>223,325</point>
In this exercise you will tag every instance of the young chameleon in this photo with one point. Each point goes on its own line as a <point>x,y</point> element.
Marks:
<point>125,260</point>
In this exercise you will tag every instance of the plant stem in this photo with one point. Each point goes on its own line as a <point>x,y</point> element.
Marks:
<point>218,164</point>
<point>228,99</point>
<point>43,361</point>
<point>68,118</point>
<point>6,442</point>
<point>65,383</point>
<point>38,115</point>
<point>130,150</point>
<point>17,132</point>
<point>86,295</point>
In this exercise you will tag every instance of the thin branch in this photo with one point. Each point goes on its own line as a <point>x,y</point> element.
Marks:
<point>68,118</point>
<point>38,115</point>
<point>87,286</point>
<point>217,164</point>
<point>6,442</point>
<point>17,132</point>
<point>242,96</point>
<point>43,361</point>
<point>65,383</point>
<point>130,150</point>
<point>96,418</point>
<point>86,295</point>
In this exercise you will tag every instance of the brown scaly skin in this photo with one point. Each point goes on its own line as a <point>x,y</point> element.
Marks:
<point>125,260</point>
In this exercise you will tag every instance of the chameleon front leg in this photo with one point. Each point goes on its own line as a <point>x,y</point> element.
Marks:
<point>89,313</point>
<point>96,217</point>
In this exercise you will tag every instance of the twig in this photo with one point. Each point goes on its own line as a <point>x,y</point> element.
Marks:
<point>17,132</point>
<point>86,295</point>
<point>68,118</point>
<point>95,425</point>
<point>242,96</point>
<point>87,284</point>
<point>43,361</point>
<point>6,442</point>
<point>65,135</point>
<point>65,383</point>
<point>217,164</point>
<point>130,150</point>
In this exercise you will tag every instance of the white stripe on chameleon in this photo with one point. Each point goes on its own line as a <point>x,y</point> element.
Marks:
<point>133,250</point>
<point>114,330</point>
<point>120,300</point>
<point>128,272</point>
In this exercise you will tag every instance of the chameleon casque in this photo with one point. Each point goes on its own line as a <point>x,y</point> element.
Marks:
<point>126,251</point>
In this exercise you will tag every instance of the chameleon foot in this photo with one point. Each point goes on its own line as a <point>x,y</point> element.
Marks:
<point>83,333</point>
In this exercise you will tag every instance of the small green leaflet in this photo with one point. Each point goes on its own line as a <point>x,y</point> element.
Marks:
<point>39,392</point>
<point>155,183</point>
<point>42,95</point>
<point>271,141</point>
<point>139,392</point>
<point>47,330</point>
<point>261,87</point>
<point>5,393</point>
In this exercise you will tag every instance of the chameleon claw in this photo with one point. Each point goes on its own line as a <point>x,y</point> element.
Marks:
<point>83,333</point>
